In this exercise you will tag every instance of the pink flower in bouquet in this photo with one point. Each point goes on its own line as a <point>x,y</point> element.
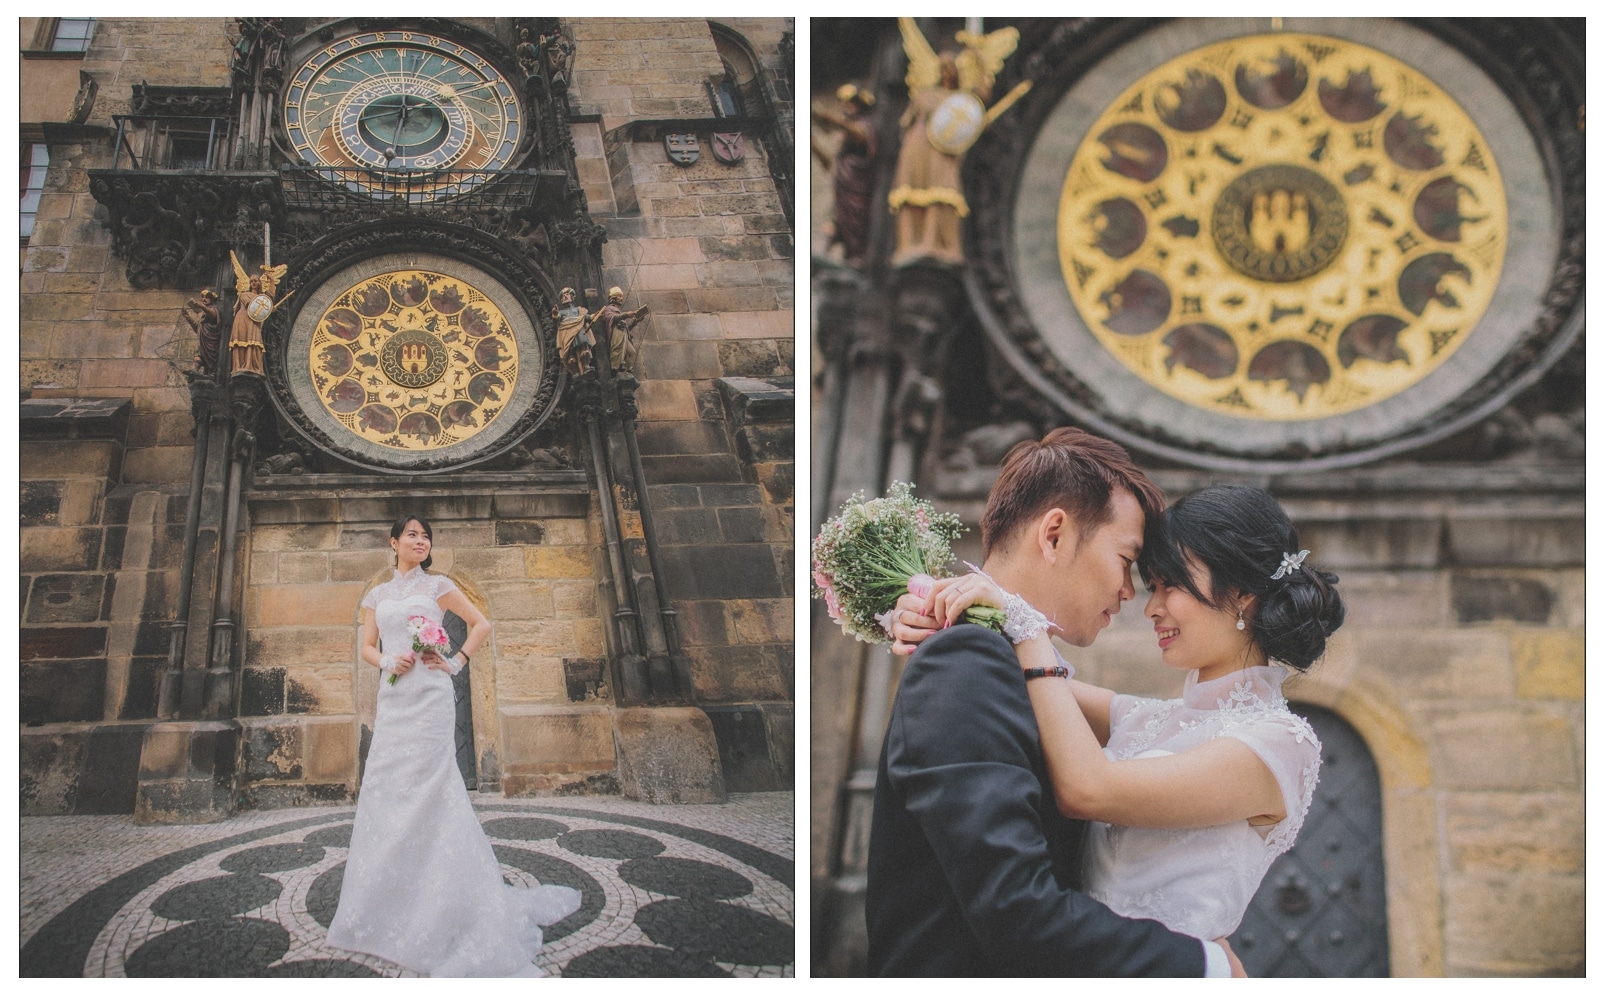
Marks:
<point>427,635</point>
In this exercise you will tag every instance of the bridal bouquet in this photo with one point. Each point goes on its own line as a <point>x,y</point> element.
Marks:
<point>426,635</point>
<point>875,550</point>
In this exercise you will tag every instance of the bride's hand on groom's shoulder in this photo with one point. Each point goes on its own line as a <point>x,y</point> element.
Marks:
<point>950,601</point>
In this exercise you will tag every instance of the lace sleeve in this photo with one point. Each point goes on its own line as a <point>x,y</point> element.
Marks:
<point>1289,747</point>
<point>370,599</point>
<point>442,585</point>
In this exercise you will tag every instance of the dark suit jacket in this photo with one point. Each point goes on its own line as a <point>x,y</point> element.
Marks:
<point>970,863</point>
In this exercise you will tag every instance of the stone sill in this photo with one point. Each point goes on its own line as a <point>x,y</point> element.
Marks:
<point>1350,485</point>
<point>66,417</point>
<point>362,485</point>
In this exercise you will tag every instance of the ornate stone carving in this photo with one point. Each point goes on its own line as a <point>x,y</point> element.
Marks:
<point>174,229</point>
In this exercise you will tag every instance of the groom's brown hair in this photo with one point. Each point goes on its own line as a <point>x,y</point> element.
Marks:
<point>1071,469</point>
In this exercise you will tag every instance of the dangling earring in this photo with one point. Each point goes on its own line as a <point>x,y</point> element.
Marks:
<point>1240,623</point>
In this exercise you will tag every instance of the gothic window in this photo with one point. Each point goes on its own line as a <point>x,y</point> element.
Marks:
<point>35,160</point>
<point>725,96</point>
<point>71,34</point>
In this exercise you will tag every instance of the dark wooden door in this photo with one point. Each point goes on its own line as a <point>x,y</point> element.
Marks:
<point>1321,910</point>
<point>466,752</point>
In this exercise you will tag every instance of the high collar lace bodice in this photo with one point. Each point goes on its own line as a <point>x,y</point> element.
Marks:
<point>1251,687</point>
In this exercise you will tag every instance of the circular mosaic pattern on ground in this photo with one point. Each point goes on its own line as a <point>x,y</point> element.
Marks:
<point>658,899</point>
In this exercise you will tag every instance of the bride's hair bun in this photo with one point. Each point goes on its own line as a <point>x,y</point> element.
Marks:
<point>1242,536</point>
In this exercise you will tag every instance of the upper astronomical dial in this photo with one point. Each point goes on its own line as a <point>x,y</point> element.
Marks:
<point>401,100</point>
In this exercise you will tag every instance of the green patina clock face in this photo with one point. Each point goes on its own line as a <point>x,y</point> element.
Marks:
<point>403,100</point>
<point>1282,227</point>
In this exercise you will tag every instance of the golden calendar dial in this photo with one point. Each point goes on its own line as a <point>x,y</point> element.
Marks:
<point>413,360</point>
<point>1282,226</point>
<point>1273,243</point>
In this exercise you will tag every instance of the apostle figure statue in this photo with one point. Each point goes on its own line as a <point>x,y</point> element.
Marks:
<point>574,339</point>
<point>205,319</point>
<point>616,328</point>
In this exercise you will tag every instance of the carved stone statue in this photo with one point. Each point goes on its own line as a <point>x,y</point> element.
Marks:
<point>943,119</point>
<point>527,53</point>
<point>205,319</point>
<point>616,328</point>
<point>574,339</point>
<point>852,169</point>
<point>558,50</point>
<point>254,303</point>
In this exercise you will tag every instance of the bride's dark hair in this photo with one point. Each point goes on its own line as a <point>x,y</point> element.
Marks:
<point>400,529</point>
<point>1241,535</point>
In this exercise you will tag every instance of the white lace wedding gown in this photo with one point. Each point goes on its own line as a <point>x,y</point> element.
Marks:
<point>1199,882</point>
<point>422,887</point>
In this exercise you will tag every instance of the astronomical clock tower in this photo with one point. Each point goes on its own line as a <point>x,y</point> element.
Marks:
<point>422,266</point>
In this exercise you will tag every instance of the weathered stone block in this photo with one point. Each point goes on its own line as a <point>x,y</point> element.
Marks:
<point>515,600</point>
<point>1515,832</point>
<point>96,459</point>
<point>308,604</point>
<point>330,754</point>
<point>1549,664</point>
<point>556,739</point>
<point>62,691</point>
<point>60,548</point>
<point>51,765</point>
<point>1519,925</point>
<point>518,533</point>
<point>515,640</point>
<point>554,562</point>
<point>1439,662</point>
<point>747,764</point>
<point>40,503</point>
<point>490,564</point>
<point>1507,747</point>
<point>585,676</point>
<point>302,567</point>
<point>721,571</point>
<point>668,755</point>
<point>73,597</point>
<point>1520,538</point>
<point>1478,598</point>
<point>756,622</point>
<point>573,599</point>
<point>530,679</point>
<point>738,673</point>
<point>272,751</point>
<point>62,643</point>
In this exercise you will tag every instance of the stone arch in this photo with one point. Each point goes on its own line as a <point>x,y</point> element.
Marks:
<point>1372,706</point>
<point>739,61</point>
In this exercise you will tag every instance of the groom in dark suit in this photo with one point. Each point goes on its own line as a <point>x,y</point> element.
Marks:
<point>972,871</point>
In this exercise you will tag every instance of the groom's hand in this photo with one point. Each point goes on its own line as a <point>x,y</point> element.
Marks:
<point>911,625</point>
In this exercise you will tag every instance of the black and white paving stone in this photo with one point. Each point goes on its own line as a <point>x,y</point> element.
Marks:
<point>677,890</point>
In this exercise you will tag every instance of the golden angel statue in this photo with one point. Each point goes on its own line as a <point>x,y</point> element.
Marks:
<point>944,117</point>
<point>251,308</point>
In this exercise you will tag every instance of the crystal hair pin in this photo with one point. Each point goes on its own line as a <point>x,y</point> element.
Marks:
<point>1290,563</point>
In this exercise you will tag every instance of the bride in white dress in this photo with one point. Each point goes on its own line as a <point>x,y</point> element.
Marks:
<point>1192,798</point>
<point>422,887</point>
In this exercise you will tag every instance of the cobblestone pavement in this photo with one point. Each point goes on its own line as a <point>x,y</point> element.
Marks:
<point>678,890</point>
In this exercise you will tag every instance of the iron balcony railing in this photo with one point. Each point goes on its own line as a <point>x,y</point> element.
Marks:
<point>500,192</point>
